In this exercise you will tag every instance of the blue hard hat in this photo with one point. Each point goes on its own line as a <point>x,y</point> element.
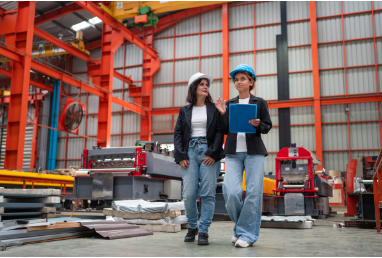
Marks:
<point>243,68</point>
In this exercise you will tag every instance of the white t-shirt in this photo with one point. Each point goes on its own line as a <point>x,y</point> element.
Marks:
<point>199,121</point>
<point>241,143</point>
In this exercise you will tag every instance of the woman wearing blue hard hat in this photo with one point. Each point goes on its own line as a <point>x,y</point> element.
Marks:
<point>244,151</point>
<point>198,142</point>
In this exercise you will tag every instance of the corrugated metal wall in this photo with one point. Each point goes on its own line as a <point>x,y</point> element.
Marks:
<point>28,139</point>
<point>252,40</point>
<point>348,130</point>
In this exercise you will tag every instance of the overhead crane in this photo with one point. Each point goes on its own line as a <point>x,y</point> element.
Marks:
<point>121,10</point>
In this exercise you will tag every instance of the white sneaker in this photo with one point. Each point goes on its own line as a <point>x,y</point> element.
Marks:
<point>233,239</point>
<point>241,243</point>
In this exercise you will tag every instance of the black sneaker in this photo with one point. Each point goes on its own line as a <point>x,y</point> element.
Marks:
<point>203,239</point>
<point>190,237</point>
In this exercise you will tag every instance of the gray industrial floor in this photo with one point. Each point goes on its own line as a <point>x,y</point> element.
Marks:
<point>322,240</point>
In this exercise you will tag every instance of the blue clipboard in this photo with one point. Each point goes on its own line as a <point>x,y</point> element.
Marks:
<point>239,116</point>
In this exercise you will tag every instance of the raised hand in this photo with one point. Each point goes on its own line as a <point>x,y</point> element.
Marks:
<point>220,105</point>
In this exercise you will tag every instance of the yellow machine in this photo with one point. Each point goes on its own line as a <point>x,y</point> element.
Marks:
<point>268,185</point>
<point>10,177</point>
<point>49,50</point>
<point>4,93</point>
<point>79,42</point>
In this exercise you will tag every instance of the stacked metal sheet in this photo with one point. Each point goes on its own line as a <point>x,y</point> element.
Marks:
<point>20,232</point>
<point>287,222</point>
<point>27,203</point>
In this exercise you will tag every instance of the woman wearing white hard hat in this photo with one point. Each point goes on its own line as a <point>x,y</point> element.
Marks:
<point>244,151</point>
<point>198,144</point>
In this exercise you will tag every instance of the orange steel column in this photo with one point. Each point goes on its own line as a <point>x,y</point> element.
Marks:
<point>316,83</point>
<point>111,40</point>
<point>21,39</point>
<point>150,67</point>
<point>225,52</point>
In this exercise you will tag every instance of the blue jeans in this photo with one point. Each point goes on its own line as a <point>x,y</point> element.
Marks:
<point>207,176</point>
<point>247,214</point>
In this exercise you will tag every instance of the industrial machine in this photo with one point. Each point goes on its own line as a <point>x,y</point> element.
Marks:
<point>359,188</point>
<point>300,191</point>
<point>136,172</point>
<point>143,11</point>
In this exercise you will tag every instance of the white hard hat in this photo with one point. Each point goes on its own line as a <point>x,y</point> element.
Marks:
<point>198,76</point>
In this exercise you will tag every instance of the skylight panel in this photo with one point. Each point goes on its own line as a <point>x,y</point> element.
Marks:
<point>85,24</point>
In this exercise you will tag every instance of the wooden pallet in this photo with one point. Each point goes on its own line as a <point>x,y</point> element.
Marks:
<point>60,171</point>
<point>359,224</point>
<point>56,226</point>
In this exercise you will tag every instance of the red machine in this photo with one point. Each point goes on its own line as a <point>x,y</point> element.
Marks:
<point>145,172</point>
<point>292,179</point>
<point>136,166</point>
<point>359,173</point>
<point>298,190</point>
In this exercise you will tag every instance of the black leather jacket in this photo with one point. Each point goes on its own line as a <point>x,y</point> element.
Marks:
<point>254,142</point>
<point>182,132</point>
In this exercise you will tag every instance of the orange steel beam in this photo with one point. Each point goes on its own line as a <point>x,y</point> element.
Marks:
<point>32,82</point>
<point>225,52</point>
<point>31,98</point>
<point>55,41</point>
<point>21,39</point>
<point>41,85</point>
<point>150,67</point>
<point>114,24</point>
<point>123,78</point>
<point>83,86</point>
<point>5,72</point>
<point>316,83</point>
<point>10,54</point>
<point>290,103</point>
<point>130,106</point>
<point>49,16</point>
<point>66,78</point>
<point>349,100</point>
<point>111,40</point>
<point>93,45</point>
<point>164,112</point>
<point>293,103</point>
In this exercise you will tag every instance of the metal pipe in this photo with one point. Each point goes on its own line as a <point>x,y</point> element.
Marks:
<point>293,186</point>
<point>366,182</point>
<point>109,169</point>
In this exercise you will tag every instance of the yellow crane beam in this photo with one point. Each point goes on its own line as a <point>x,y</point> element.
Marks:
<point>128,9</point>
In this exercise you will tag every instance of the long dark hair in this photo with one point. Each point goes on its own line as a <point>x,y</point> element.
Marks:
<point>191,96</point>
<point>250,78</point>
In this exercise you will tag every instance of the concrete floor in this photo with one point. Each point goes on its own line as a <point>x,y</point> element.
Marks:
<point>322,240</point>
